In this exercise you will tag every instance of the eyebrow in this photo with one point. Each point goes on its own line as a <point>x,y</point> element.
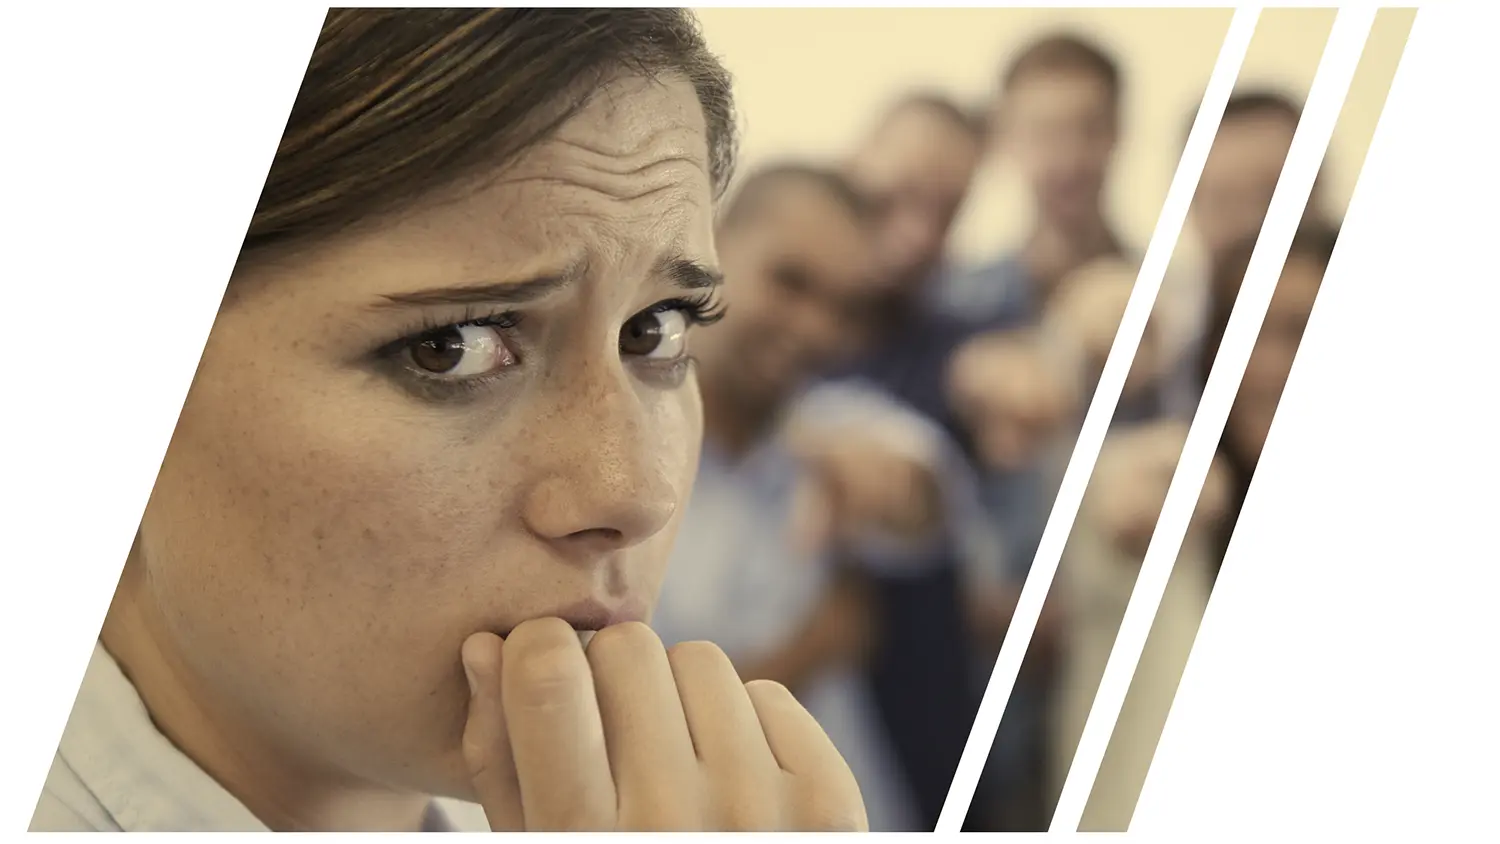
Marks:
<point>681,272</point>
<point>688,274</point>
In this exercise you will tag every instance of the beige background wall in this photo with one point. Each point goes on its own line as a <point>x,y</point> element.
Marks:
<point>810,81</point>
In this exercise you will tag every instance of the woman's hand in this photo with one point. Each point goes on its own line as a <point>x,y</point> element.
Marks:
<point>627,735</point>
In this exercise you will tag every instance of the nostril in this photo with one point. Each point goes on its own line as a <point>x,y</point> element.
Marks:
<point>602,535</point>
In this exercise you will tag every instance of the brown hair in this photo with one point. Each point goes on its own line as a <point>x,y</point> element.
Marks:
<point>1063,52</point>
<point>1246,103</point>
<point>1255,103</point>
<point>397,103</point>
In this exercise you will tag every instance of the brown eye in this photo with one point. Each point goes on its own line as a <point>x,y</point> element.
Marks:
<point>660,335</point>
<point>460,351</point>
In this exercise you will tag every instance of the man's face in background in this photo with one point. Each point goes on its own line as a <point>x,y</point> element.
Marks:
<point>801,291</point>
<point>1240,176</point>
<point>1059,127</point>
<point>916,169</point>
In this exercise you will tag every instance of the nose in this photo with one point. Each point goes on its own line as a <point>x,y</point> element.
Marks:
<point>605,482</point>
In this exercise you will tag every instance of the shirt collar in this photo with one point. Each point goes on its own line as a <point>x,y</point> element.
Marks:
<point>138,776</point>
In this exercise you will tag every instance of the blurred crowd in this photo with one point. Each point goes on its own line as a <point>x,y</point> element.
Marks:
<point>885,431</point>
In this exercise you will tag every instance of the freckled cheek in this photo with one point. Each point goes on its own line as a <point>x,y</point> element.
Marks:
<point>393,520</point>
<point>677,420</point>
<point>677,424</point>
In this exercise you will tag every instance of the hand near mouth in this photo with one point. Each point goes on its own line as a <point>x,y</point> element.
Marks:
<point>627,735</point>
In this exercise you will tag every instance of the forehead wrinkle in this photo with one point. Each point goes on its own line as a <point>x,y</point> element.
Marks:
<point>642,177</point>
<point>614,188</point>
<point>623,238</point>
<point>665,144</point>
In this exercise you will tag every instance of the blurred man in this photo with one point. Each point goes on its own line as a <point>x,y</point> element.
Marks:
<point>802,295</point>
<point>916,167</point>
<point>1056,121</point>
<point>1239,177</point>
<point>1243,168</point>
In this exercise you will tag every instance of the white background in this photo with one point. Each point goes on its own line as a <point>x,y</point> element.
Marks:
<point>1344,678</point>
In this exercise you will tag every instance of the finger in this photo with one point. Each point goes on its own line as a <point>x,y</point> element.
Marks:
<point>650,750</point>
<point>823,795</point>
<point>556,735</point>
<point>744,782</point>
<point>486,747</point>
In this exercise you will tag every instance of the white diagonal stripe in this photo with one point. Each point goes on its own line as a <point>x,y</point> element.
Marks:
<point>1097,419</point>
<point>1336,70</point>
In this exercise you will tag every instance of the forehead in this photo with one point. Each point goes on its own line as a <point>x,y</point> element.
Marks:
<point>917,143</point>
<point>803,218</point>
<point>1251,145</point>
<point>1054,93</point>
<point>637,142</point>
<point>628,125</point>
<point>626,176</point>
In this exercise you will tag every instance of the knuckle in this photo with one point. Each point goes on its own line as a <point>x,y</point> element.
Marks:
<point>659,808</point>
<point>826,815</point>
<point>750,816</point>
<point>548,675</point>
<point>749,799</point>
<point>476,752</point>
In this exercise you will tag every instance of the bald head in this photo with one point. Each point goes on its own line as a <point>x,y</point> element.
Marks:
<point>915,168</point>
<point>802,292</point>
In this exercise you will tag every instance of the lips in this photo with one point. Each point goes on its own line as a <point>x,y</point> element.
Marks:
<point>593,615</point>
<point>590,616</point>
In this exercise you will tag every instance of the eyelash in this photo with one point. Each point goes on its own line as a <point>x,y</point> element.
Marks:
<point>703,310</point>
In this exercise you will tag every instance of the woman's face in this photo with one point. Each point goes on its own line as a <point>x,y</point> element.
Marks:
<point>1271,361</point>
<point>474,414</point>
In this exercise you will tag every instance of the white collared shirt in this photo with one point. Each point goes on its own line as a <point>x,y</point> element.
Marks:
<point>115,772</point>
